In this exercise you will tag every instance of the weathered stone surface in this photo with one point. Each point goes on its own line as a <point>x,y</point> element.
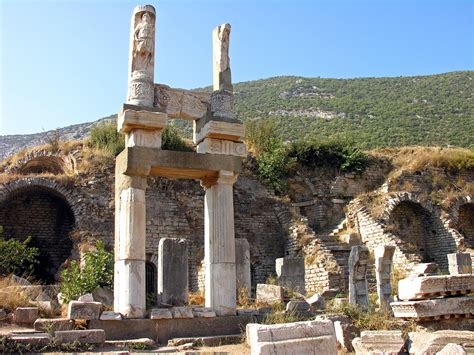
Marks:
<point>26,315</point>
<point>221,61</point>
<point>433,286</point>
<point>220,130</point>
<point>173,271</point>
<point>424,269</point>
<point>316,302</point>
<point>131,118</point>
<point>383,268</point>
<point>145,342</point>
<point>460,263</point>
<point>379,341</point>
<point>182,312</point>
<point>104,296</point>
<point>87,336</point>
<point>33,338</point>
<point>3,314</point>
<point>345,334</point>
<point>269,293</point>
<point>290,272</point>
<point>86,298</point>
<point>297,306</point>
<point>160,313</point>
<point>330,293</point>
<point>204,314</point>
<point>179,103</point>
<point>436,307</point>
<point>221,146</point>
<point>452,349</point>
<point>432,342</point>
<point>242,265</point>
<point>84,310</point>
<point>46,325</point>
<point>312,337</point>
<point>358,259</point>
<point>110,315</point>
<point>143,138</point>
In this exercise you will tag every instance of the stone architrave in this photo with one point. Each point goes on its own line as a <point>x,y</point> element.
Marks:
<point>460,263</point>
<point>142,57</point>
<point>290,272</point>
<point>358,260</point>
<point>432,342</point>
<point>173,271</point>
<point>242,265</point>
<point>221,60</point>
<point>220,146</point>
<point>383,269</point>
<point>379,342</point>
<point>434,308</point>
<point>219,244</point>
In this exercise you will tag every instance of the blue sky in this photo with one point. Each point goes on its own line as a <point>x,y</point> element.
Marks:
<point>65,62</point>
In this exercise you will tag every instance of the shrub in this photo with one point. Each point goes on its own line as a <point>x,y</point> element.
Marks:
<point>106,138</point>
<point>170,140</point>
<point>17,257</point>
<point>97,272</point>
<point>274,167</point>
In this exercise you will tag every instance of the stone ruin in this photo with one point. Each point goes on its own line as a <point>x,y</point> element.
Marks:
<point>216,164</point>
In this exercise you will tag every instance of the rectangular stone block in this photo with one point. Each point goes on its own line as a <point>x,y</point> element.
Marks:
<point>221,146</point>
<point>40,339</point>
<point>44,325</point>
<point>130,280</point>
<point>291,273</point>
<point>220,130</point>
<point>26,315</point>
<point>379,341</point>
<point>311,337</point>
<point>437,307</point>
<point>242,264</point>
<point>432,342</point>
<point>84,310</point>
<point>173,271</point>
<point>460,263</point>
<point>87,336</point>
<point>433,286</point>
<point>134,117</point>
<point>269,293</point>
<point>181,312</point>
<point>161,313</point>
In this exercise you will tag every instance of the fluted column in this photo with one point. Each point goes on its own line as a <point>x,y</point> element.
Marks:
<point>219,258</point>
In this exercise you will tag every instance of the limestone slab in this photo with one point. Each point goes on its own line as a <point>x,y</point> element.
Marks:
<point>83,310</point>
<point>87,336</point>
<point>460,263</point>
<point>41,339</point>
<point>26,315</point>
<point>173,271</point>
<point>181,312</point>
<point>161,313</point>
<point>424,269</point>
<point>269,293</point>
<point>379,341</point>
<point>242,265</point>
<point>180,103</point>
<point>436,307</point>
<point>452,349</point>
<point>220,130</point>
<point>291,272</point>
<point>129,119</point>
<point>48,324</point>
<point>432,286</point>
<point>221,146</point>
<point>432,342</point>
<point>110,315</point>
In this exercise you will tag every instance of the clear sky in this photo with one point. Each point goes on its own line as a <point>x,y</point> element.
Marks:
<point>65,62</point>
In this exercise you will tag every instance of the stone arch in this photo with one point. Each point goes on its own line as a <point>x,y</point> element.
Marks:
<point>42,209</point>
<point>44,161</point>
<point>465,223</point>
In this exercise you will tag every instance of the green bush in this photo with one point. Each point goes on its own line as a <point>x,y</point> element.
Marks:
<point>106,138</point>
<point>17,257</point>
<point>97,272</point>
<point>170,140</point>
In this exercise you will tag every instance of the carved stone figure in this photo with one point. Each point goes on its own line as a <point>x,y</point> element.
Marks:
<point>220,43</point>
<point>144,46</point>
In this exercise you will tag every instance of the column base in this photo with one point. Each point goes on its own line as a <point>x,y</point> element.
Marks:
<point>221,288</point>
<point>129,288</point>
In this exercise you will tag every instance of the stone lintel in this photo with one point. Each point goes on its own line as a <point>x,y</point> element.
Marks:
<point>181,103</point>
<point>218,127</point>
<point>434,286</point>
<point>138,117</point>
<point>143,161</point>
<point>437,307</point>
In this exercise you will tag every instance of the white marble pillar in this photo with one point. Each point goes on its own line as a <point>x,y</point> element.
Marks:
<point>129,270</point>
<point>219,249</point>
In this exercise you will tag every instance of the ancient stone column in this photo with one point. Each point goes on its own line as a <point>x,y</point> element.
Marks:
<point>219,244</point>
<point>383,269</point>
<point>459,263</point>
<point>129,269</point>
<point>142,57</point>
<point>358,291</point>
<point>173,271</point>
<point>221,60</point>
<point>242,264</point>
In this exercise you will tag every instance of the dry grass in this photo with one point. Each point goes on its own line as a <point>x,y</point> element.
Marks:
<point>243,299</point>
<point>196,299</point>
<point>11,300</point>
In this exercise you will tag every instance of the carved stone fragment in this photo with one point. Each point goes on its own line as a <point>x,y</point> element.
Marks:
<point>358,259</point>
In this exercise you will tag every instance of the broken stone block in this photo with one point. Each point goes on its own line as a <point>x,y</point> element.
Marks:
<point>379,341</point>
<point>316,302</point>
<point>383,270</point>
<point>26,315</point>
<point>204,313</point>
<point>104,296</point>
<point>452,349</point>
<point>84,310</point>
<point>424,269</point>
<point>358,260</point>
<point>86,336</point>
<point>173,271</point>
<point>86,298</point>
<point>297,306</point>
<point>47,325</point>
<point>161,313</point>
<point>242,265</point>
<point>345,334</point>
<point>434,286</point>
<point>269,293</point>
<point>460,263</point>
<point>311,337</point>
<point>432,342</point>
<point>436,307</point>
<point>291,272</point>
<point>40,339</point>
<point>182,312</point>
<point>110,315</point>
<point>330,293</point>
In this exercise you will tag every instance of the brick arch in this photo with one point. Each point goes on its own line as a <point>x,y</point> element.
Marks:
<point>44,161</point>
<point>42,209</point>
<point>397,198</point>
<point>464,222</point>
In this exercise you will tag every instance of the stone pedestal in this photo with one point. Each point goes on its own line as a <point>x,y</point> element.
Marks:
<point>290,272</point>
<point>358,259</point>
<point>173,271</point>
<point>219,247</point>
<point>383,269</point>
<point>460,263</point>
<point>242,264</point>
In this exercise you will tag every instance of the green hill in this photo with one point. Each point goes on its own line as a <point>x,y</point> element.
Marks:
<point>376,112</point>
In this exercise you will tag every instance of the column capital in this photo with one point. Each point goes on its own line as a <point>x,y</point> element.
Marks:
<point>225,177</point>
